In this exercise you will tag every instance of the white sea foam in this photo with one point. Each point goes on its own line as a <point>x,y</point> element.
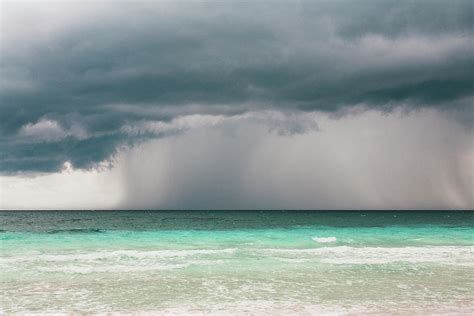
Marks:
<point>457,255</point>
<point>117,254</point>
<point>125,268</point>
<point>111,268</point>
<point>324,239</point>
<point>264,307</point>
<point>293,260</point>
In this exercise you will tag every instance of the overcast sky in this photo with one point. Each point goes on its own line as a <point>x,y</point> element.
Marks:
<point>237,104</point>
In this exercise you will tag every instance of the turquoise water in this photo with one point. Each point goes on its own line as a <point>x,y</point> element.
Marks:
<point>271,262</point>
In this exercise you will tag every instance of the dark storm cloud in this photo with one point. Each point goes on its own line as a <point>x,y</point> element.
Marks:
<point>44,156</point>
<point>105,65</point>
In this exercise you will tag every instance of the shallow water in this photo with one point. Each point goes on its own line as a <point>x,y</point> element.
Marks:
<point>270,262</point>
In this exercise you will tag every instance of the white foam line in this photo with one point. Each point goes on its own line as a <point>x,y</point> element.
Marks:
<point>324,239</point>
<point>463,255</point>
<point>99,255</point>
<point>112,269</point>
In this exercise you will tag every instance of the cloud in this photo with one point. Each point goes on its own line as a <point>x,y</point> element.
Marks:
<point>283,123</point>
<point>66,189</point>
<point>49,131</point>
<point>370,160</point>
<point>112,68</point>
<point>365,159</point>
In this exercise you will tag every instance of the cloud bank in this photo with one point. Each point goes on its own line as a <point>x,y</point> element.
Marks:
<point>307,104</point>
<point>269,160</point>
<point>98,66</point>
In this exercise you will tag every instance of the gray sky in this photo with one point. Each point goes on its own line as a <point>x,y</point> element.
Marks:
<point>275,104</point>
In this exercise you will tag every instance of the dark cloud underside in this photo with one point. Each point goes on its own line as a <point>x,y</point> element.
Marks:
<point>110,64</point>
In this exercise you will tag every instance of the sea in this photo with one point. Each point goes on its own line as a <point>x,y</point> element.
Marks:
<point>237,262</point>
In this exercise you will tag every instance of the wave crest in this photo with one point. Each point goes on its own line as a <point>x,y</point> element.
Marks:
<point>324,239</point>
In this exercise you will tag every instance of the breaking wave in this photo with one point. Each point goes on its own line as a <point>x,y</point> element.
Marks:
<point>324,239</point>
<point>457,255</point>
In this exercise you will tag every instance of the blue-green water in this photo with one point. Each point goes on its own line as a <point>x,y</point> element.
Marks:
<point>261,262</point>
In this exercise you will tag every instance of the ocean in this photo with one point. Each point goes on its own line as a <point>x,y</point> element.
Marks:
<point>237,262</point>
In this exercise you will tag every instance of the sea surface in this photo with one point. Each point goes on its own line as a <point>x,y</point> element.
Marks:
<point>237,262</point>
